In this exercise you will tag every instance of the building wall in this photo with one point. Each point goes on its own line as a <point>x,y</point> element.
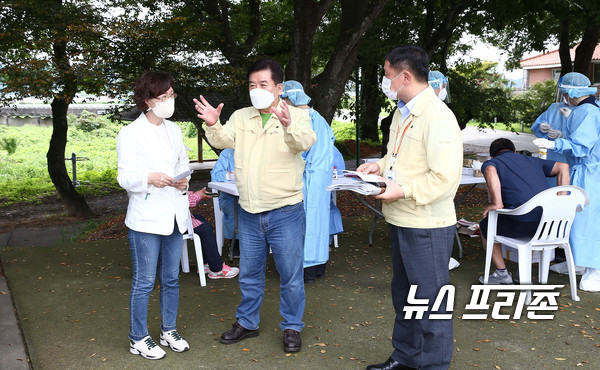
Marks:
<point>538,75</point>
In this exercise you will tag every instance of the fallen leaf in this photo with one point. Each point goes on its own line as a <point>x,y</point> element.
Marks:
<point>559,358</point>
<point>245,350</point>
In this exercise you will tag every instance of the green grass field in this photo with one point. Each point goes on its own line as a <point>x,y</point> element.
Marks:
<point>24,174</point>
<point>502,127</point>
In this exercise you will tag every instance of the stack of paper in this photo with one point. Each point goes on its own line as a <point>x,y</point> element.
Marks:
<point>371,178</point>
<point>356,185</point>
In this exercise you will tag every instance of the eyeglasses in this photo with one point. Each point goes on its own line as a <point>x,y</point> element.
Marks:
<point>164,98</point>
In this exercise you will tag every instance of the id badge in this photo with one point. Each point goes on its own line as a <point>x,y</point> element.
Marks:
<point>390,175</point>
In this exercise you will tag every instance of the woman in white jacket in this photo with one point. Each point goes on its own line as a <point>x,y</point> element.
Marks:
<point>150,154</point>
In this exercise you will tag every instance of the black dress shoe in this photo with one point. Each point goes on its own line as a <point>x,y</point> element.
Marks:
<point>291,341</point>
<point>388,365</point>
<point>237,333</point>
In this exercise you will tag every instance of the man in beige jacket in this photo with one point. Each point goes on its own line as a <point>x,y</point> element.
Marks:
<point>268,139</point>
<point>422,170</point>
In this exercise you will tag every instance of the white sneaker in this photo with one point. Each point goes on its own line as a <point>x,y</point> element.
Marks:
<point>590,281</point>
<point>174,340</point>
<point>146,348</point>
<point>562,268</point>
<point>453,264</point>
<point>226,273</point>
<point>497,279</point>
<point>206,268</point>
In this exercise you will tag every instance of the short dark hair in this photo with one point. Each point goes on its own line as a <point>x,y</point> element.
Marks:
<point>501,144</point>
<point>411,57</point>
<point>150,85</point>
<point>271,65</point>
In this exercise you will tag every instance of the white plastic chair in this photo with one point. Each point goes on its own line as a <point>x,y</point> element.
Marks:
<point>185,262</point>
<point>553,231</point>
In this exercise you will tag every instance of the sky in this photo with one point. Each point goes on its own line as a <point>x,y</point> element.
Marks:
<point>486,51</point>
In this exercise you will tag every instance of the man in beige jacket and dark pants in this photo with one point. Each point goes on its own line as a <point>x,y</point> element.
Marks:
<point>422,170</point>
<point>268,139</point>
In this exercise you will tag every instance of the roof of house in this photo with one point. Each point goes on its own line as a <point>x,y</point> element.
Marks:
<point>552,58</point>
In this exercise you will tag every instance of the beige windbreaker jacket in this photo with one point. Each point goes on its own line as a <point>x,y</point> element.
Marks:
<point>428,165</point>
<point>268,161</point>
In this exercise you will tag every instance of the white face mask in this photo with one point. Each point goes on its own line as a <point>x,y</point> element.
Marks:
<point>164,109</point>
<point>261,98</point>
<point>443,94</point>
<point>566,101</point>
<point>386,85</point>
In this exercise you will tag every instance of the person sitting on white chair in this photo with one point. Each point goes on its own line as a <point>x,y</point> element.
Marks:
<point>214,265</point>
<point>512,179</point>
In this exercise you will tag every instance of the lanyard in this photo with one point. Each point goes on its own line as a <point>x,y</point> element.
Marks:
<point>395,152</point>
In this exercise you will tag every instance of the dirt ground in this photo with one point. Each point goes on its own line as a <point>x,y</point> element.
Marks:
<point>110,212</point>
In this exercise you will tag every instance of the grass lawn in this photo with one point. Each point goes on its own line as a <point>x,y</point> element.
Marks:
<point>502,127</point>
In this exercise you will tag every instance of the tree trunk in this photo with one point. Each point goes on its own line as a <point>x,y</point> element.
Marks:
<point>370,103</point>
<point>73,201</point>
<point>564,49</point>
<point>307,18</point>
<point>357,17</point>
<point>585,50</point>
<point>431,37</point>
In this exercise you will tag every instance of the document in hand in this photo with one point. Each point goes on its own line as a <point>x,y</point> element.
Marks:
<point>182,175</point>
<point>355,184</point>
<point>373,179</point>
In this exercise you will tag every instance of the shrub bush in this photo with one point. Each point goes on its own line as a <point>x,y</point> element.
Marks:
<point>9,144</point>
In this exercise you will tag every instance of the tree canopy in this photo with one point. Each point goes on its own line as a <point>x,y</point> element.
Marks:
<point>55,49</point>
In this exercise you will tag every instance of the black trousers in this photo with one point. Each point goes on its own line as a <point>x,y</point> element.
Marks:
<point>420,257</point>
<point>210,251</point>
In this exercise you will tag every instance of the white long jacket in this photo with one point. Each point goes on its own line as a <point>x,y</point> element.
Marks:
<point>140,152</point>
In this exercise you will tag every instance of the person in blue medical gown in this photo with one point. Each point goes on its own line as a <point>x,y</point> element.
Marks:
<point>580,143</point>
<point>335,217</point>
<point>439,84</point>
<point>318,173</point>
<point>548,125</point>
<point>224,170</point>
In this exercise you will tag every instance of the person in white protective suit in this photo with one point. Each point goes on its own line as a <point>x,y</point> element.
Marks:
<point>580,143</point>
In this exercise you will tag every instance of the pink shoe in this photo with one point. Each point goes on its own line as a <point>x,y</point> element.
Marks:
<point>226,273</point>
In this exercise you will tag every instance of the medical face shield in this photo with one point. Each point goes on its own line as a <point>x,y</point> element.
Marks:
<point>441,87</point>
<point>575,85</point>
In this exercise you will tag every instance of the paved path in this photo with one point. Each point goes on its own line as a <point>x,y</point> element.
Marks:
<point>12,347</point>
<point>475,139</point>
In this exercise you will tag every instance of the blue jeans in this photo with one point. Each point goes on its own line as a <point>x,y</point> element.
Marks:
<point>149,251</point>
<point>283,230</point>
